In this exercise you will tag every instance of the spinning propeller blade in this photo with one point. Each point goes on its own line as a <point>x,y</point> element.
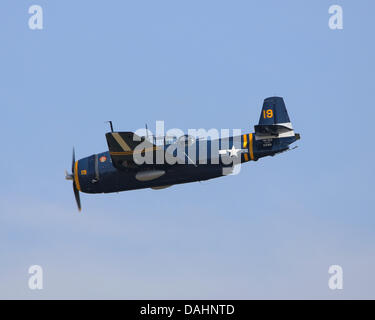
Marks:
<point>71,177</point>
<point>76,195</point>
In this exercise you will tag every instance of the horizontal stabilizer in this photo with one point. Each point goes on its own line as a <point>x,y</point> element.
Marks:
<point>272,130</point>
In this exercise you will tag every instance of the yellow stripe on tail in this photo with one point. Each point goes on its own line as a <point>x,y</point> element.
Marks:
<point>251,146</point>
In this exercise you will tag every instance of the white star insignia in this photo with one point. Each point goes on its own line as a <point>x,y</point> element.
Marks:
<point>232,152</point>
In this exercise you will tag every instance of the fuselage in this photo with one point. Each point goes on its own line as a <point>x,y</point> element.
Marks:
<point>97,174</point>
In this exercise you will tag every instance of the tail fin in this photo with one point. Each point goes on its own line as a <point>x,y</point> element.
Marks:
<point>274,133</point>
<point>273,111</point>
<point>274,118</point>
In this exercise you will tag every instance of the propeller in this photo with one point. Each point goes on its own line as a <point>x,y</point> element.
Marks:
<point>70,176</point>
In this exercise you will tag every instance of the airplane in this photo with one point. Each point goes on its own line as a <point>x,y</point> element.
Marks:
<point>117,169</point>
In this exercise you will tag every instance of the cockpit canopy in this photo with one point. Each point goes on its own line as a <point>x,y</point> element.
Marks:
<point>186,139</point>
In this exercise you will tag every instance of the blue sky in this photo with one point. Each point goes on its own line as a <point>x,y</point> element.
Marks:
<point>270,232</point>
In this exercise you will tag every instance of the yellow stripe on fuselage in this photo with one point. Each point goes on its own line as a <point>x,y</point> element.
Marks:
<point>251,150</point>
<point>76,179</point>
<point>244,141</point>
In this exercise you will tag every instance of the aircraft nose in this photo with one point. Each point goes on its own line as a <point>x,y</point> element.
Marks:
<point>85,174</point>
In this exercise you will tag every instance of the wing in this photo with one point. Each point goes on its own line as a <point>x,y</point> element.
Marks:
<point>122,147</point>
